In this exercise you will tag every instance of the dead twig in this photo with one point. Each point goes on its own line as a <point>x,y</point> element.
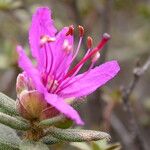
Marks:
<point>136,133</point>
<point>137,73</point>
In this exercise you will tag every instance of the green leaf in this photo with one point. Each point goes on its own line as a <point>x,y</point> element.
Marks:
<point>27,145</point>
<point>99,145</point>
<point>64,124</point>
<point>50,140</point>
<point>8,104</point>
<point>95,146</point>
<point>115,146</point>
<point>8,138</point>
<point>77,135</point>
<point>13,122</point>
<point>52,121</point>
<point>81,145</point>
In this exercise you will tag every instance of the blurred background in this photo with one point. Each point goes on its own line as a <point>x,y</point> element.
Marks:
<point>117,108</point>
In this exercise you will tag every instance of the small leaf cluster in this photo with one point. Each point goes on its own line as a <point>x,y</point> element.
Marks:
<point>17,133</point>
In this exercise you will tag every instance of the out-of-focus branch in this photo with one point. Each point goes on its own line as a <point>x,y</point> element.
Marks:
<point>137,73</point>
<point>121,131</point>
<point>104,13</point>
<point>137,135</point>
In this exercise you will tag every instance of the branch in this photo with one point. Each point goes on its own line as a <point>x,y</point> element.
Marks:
<point>121,131</point>
<point>138,71</point>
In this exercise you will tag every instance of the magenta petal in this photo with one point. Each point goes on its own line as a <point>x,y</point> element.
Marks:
<point>63,107</point>
<point>42,24</point>
<point>26,65</point>
<point>83,85</point>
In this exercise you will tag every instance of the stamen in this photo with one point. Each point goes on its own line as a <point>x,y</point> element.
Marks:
<point>81,31</point>
<point>75,73</point>
<point>104,40</point>
<point>89,42</point>
<point>67,47</point>
<point>44,80</point>
<point>52,59</point>
<point>51,39</point>
<point>46,58</point>
<point>53,85</point>
<point>96,57</point>
<point>69,79</point>
<point>82,64</point>
<point>78,48</point>
<point>70,31</point>
<point>46,39</point>
<point>68,83</point>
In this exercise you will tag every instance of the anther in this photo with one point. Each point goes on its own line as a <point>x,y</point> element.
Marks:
<point>70,31</point>
<point>51,39</point>
<point>67,47</point>
<point>81,31</point>
<point>99,47</point>
<point>96,57</point>
<point>106,36</point>
<point>89,42</point>
<point>44,39</point>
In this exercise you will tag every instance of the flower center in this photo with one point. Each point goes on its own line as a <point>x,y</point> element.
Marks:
<point>93,54</point>
<point>56,81</point>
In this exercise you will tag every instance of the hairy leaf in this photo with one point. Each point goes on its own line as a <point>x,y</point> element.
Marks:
<point>27,145</point>
<point>77,135</point>
<point>8,104</point>
<point>13,122</point>
<point>8,138</point>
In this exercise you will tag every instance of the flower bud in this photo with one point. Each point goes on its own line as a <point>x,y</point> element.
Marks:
<point>49,112</point>
<point>21,83</point>
<point>30,104</point>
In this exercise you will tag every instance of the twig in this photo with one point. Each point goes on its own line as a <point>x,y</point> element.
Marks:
<point>121,131</point>
<point>137,73</point>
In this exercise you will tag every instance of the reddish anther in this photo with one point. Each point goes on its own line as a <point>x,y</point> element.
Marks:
<point>81,31</point>
<point>101,44</point>
<point>89,42</point>
<point>70,31</point>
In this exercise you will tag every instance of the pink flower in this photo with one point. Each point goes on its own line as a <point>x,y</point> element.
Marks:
<point>54,53</point>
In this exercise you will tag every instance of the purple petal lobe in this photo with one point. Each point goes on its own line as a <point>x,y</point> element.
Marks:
<point>26,65</point>
<point>42,24</point>
<point>83,85</point>
<point>63,107</point>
